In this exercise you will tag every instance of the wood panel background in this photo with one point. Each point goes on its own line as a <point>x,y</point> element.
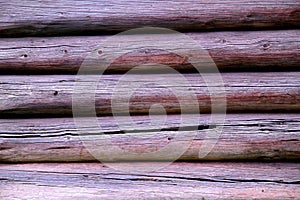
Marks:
<point>256,47</point>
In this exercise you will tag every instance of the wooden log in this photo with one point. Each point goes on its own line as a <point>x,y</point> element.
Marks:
<point>178,180</point>
<point>94,17</point>
<point>231,51</point>
<point>51,95</point>
<point>244,137</point>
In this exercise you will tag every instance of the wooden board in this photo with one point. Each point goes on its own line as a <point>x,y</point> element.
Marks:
<point>244,137</point>
<point>178,180</point>
<point>93,17</point>
<point>231,51</point>
<point>51,95</point>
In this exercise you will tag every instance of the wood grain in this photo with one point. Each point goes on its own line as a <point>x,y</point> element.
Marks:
<point>94,17</point>
<point>244,137</point>
<point>51,95</point>
<point>178,180</point>
<point>231,51</point>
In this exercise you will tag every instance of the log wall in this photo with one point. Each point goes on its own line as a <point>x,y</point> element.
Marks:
<point>254,44</point>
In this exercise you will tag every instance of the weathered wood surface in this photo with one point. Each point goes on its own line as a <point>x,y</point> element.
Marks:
<point>178,180</point>
<point>231,51</point>
<point>52,94</point>
<point>244,137</point>
<point>90,17</point>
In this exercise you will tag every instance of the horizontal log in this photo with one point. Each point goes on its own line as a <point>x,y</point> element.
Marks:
<point>51,95</point>
<point>244,137</point>
<point>94,17</point>
<point>178,180</point>
<point>231,51</point>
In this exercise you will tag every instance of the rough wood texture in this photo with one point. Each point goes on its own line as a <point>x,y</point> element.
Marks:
<point>89,17</point>
<point>244,137</point>
<point>178,180</point>
<point>254,50</point>
<point>52,95</point>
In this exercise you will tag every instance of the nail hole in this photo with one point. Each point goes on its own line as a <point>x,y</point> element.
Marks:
<point>65,51</point>
<point>262,190</point>
<point>24,56</point>
<point>266,46</point>
<point>169,138</point>
<point>100,52</point>
<point>55,93</point>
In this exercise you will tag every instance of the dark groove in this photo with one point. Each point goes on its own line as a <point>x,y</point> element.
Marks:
<point>29,115</point>
<point>187,128</point>
<point>155,178</point>
<point>237,69</point>
<point>58,148</point>
<point>29,31</point>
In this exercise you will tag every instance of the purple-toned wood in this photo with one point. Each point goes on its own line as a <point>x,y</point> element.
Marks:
<point>245,137</point>
<point>93,17</point>
<point>231,51</point>
<point>189,180</point>
<point>245,92</point>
